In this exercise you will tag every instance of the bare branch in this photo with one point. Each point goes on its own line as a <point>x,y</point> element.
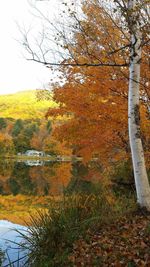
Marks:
<point>49,64</point>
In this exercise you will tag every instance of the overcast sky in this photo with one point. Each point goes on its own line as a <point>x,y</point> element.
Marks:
<point>16,73</point>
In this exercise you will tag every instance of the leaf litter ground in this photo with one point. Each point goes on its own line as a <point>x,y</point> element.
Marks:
<point>125,242</point>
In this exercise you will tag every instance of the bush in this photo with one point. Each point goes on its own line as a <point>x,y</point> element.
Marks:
<point>52,234</point>
<point>123,179</point>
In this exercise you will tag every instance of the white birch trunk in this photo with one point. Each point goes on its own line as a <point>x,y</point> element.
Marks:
<point>140,174</point>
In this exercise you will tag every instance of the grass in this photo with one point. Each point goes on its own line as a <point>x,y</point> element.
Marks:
<point>1,256</point>
<point>51,237</point>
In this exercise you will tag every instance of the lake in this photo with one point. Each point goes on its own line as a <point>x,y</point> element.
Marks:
<point>28,185</point>
<point>8,235</point>
<point>43,178</point>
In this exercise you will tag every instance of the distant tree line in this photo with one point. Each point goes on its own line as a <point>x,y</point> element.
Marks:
<point>17,136</point>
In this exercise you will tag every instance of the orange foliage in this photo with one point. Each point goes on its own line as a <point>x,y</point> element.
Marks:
<point>37,141</point>
<point>95,98</point>
<point>51,145</point>
<point>6,144</point>
<point>53,178</point>
<point>95,126</point>
<point>61,179</point>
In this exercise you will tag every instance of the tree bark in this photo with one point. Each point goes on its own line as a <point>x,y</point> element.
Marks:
<point>139,168</point>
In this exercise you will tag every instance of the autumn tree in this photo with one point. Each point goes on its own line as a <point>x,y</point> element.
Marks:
<point>53,146</point>
<point>6,145</point>
<point>18,126</point>
<point>37,140</point>
<point>114,41</point>
<point>22,132</point>
<point>21,142</point>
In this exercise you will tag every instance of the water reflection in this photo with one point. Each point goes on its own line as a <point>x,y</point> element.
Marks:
<point>34,177</point>
<point>42,177</point>
<point>34,163</point>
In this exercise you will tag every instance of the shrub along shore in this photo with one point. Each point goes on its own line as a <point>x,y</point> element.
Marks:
<point>99,229</point>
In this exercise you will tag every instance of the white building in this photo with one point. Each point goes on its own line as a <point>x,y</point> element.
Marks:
<point>35,153</point>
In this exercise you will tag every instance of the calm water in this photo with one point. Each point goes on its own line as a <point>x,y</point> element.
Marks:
<point>41,178</point>
<point>8,235</point>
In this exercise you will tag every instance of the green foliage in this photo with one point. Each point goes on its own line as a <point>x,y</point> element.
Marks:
<point>49,126</point>
<point>30,130</point>
<point>22,132</point>
<point>20,181</point>
<point>122,178</point>
<point>22,143</point>
<point>18,126</point>
<point>3,123</point>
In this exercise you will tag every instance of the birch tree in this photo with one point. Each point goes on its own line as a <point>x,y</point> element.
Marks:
<point>140,174</point>
<point>135,24</point>
<point>137,17</point>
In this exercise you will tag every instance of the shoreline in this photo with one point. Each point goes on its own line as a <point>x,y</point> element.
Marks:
<point>42,158</point>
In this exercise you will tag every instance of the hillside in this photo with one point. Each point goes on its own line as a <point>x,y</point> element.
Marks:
<point>23,105</point>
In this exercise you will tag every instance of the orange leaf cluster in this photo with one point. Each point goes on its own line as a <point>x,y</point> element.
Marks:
<point>95,98</point>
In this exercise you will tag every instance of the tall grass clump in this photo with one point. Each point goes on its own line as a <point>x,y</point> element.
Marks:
<point>52,234</point>
<point>1,256</point>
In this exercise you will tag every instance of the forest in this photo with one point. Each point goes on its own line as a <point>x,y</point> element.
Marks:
<point>23,125</point>
<point>100,113</point>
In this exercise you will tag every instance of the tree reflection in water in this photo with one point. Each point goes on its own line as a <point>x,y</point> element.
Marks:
<point>41,178</point>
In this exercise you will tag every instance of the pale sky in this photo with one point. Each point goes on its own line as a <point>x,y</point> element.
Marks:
<point>16,73</point>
